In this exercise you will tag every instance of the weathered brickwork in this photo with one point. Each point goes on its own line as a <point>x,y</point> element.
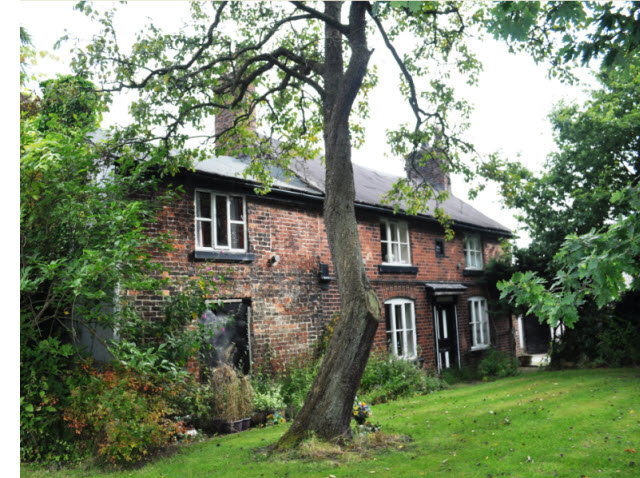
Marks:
<point>290,304</point>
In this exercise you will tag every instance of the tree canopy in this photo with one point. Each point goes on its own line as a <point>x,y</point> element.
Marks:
<point>581,211</point>
<point>566,33</point>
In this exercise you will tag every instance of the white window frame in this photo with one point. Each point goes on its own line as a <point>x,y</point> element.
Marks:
<point>212,220</point>
<point>480,330</point>
<point>408,330</point>
<point>401,227</point>
<point>473,252</point>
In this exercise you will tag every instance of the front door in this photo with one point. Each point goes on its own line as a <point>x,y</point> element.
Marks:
<point>446,335</point>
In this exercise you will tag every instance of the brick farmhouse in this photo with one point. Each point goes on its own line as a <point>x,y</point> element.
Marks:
<point>282,290</point>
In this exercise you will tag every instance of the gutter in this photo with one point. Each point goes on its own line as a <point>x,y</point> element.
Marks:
<point>319,197</point>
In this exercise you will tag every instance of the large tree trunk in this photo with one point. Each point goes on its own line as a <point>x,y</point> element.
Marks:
<point>328,409</point>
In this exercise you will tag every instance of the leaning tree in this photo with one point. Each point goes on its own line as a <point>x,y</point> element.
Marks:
<point>296,77</point>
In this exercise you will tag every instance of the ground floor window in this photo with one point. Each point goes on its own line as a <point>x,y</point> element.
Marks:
<point>479,323</point>
<point>401,327</point>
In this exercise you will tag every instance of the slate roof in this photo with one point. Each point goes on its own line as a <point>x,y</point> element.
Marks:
<point>370,187</point>
<point>445,288</point>
<point>232,167</point>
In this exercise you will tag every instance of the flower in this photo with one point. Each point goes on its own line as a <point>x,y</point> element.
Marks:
<point>276,418</point>
<point>361,411</point>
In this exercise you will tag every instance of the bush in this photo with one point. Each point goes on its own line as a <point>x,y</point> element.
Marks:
<point>44,389</point>
<point>495,364</point>
<point>295,381</point>
<point>122,414</point>
<point>268,398</point>
<point>462,374</point>
<point>387,377</point>
<point>608,337</point>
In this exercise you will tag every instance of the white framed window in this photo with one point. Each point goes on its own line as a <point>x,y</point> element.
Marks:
<point>394,239</point>
<point>221,221</point>
<point>480,338</point>
<point>401,327</point>
<point>473,251</point>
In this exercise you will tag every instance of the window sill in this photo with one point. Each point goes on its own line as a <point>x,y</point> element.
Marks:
<point>477,348</point>
<point>396,269</point>
<point>219,256</point>
<point>406,358</point>
<point>472,272</point>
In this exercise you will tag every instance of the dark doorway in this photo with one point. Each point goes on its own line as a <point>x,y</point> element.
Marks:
<point>537,336</point>
<point>446,335</point>
<point>230,342</point>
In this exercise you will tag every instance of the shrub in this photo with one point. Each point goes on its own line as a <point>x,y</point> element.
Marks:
<point>44,389</point>
<point>268,398</point>
<point>462,374</point>
<point>122,414</point>
<point>387,377</point>
<point>295,381</point>
<point>607,337</point>
<point>495,364</point>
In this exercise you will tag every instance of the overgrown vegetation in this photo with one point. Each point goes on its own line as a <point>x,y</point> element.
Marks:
<point>494,365</point>
<point>500,428</point>
<point>387,377</point>
<point>122,414</point>
<point>84,208</point>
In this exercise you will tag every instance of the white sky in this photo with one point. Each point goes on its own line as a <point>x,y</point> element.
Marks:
<point>512,99</point>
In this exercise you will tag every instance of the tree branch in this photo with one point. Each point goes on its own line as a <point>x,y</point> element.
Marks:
<point>344,29</point>
<point>413,97</point>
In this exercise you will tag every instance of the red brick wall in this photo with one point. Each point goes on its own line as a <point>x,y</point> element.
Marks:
<point>289,304</point>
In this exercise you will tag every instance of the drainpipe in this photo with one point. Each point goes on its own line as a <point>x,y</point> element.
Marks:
<point>249,338</point>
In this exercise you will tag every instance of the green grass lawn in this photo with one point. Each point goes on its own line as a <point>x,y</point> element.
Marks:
<point>570,423</point>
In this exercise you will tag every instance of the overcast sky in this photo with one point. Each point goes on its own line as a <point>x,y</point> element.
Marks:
<point>512,99</point>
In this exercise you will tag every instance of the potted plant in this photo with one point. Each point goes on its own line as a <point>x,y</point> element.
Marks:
<point>246,401</point>
<point>267,400</point>
<point>227,399</point>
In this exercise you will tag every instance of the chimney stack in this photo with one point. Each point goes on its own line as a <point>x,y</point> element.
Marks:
<point>432,171</point>
<point>225,118</point>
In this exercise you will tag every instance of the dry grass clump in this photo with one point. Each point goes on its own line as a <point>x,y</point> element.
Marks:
<point>232,395</point>
<point>359,448</point>
<point>378,440</point>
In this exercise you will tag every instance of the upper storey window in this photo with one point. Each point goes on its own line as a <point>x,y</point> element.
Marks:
<point>394,239</point>
<point>473,251</point>
<point>221,221</point>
